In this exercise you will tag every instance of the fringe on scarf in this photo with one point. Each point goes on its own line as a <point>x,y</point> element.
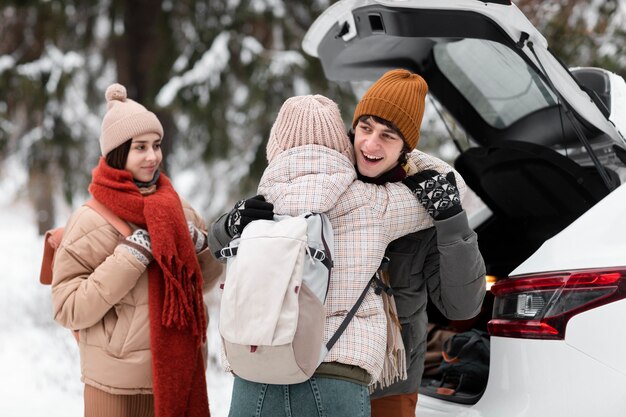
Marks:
<point>180,308</point>
<point>394,366</point>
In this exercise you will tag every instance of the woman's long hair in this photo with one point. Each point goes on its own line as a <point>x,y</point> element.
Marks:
<point>117,157</point>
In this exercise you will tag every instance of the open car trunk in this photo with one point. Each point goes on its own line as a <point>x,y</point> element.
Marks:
<point>475,59</point>
<point>529,165</point>
<point>543,151</point>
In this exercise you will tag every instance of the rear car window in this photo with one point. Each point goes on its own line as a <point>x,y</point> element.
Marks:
<point>503,91</point>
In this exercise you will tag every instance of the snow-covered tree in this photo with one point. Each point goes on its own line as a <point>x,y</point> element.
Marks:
<point>214,71</point>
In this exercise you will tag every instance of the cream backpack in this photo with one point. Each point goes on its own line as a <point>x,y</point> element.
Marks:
<point>272,307</point>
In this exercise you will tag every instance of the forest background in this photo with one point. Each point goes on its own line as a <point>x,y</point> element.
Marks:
<point>214,71</point>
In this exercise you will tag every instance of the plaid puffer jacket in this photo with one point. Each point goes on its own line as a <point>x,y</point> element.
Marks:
<point>365,219</point>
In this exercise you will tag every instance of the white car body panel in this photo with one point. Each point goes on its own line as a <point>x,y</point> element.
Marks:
<point>605,342</point>
<point>524,386</point>
<point>618,102</point>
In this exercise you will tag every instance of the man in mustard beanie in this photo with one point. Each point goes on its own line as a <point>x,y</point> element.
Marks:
<point>443,261</point>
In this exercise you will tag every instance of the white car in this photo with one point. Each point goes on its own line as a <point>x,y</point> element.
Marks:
<point>548,159</point>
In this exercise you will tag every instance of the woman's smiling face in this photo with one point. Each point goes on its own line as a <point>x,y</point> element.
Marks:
<point>144,156</point>
<point>377,147</point>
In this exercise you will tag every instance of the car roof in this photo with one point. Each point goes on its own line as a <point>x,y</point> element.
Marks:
<point>442,40</point>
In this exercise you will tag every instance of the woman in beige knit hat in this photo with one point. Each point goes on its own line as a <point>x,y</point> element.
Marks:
<point>311,168</point>
<point>443,262</point>
<point>136,300</point>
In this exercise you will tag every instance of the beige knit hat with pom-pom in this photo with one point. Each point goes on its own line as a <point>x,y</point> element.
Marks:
<point>124,120</point>
<point>309,120</point>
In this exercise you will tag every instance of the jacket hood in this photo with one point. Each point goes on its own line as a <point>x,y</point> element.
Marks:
<point>309,178</point>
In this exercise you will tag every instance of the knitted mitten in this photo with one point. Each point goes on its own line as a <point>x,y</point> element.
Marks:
<point>245,211</point>
<point>438,194</point>
<point>199,238</point>
<point>139,245</point>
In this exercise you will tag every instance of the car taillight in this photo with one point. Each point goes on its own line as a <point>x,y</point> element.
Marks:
<point>539,306</point>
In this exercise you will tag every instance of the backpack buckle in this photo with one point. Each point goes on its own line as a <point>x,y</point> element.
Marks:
<point>228,252</point>
<point>318,254</point>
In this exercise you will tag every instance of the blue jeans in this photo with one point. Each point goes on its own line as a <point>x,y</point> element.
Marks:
<point>317,397</point>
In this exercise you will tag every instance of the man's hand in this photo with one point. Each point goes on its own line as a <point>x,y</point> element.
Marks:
<point>246,211</point>
<point>437,193</point>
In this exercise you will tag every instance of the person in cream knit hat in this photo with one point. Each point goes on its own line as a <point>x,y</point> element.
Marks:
<point>443,262</point>
<point>311,168</point>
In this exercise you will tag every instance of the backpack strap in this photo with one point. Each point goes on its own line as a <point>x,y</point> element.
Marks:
<point>119,224</point>
<point>344,324</point>
<point>327,260</point>
<point>226,252</point>
<point>52,240</point>
<point>381,286</point>
<point>319,255</point>
<point>374,281</point>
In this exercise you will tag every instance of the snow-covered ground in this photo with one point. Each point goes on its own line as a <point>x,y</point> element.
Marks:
<point>39,366</point>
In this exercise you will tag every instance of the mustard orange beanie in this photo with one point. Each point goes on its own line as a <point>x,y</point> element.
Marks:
<point>398,97</point>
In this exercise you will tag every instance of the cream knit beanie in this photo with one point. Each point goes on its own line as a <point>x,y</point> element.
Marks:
<point>124,120</point>
<point>309,120</point>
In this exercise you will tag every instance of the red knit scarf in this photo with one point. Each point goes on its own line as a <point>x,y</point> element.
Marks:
<point>177,317</point>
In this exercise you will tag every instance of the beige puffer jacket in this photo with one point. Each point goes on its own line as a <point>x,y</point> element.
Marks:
<point>101,289</point>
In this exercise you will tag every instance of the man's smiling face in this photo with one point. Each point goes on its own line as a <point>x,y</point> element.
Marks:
<point>377,147</point>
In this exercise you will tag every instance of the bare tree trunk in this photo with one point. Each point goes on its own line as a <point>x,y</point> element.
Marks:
<point>142,58</point>
<point>40,191</point>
